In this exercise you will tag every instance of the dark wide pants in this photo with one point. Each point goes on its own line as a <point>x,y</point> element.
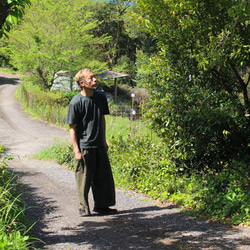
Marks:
<point>94,170</point>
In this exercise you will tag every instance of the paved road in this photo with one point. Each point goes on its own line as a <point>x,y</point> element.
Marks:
<point>51,199</point>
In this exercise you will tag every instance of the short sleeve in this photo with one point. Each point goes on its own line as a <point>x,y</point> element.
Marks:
<point>105,106</point>
<point>72,114</point>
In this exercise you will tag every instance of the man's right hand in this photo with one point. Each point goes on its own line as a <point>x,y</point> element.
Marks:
<point>72,132</point>
<point>78,155</point>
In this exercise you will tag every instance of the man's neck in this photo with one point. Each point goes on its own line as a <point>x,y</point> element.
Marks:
<point>87,92</point>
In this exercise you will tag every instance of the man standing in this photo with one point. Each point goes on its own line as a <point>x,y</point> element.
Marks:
<point>87,128</point>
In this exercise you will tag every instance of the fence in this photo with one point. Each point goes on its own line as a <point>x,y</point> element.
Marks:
<point>50,110</point>
<point>131,112</point>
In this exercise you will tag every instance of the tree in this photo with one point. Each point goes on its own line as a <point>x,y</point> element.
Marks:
<point>111,19</point>
<point>201,73</point>
<point>10,12</point>
<point>125,36</point>
<point>53,36</point>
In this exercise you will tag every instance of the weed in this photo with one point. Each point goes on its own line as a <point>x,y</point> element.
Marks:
<point>14,227</point>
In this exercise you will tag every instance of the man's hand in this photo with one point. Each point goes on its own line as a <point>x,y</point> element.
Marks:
<point>78,155</point>
<point>72,132</point>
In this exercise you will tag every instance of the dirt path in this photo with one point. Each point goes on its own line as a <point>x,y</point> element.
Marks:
<point>51,196</point>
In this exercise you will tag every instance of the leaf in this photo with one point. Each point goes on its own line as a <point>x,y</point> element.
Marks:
<point>12,19</point>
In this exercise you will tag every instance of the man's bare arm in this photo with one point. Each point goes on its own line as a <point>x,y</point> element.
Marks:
<point>73,137</point>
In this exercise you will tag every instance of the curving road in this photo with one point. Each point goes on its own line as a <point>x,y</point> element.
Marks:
<point>51,200</point>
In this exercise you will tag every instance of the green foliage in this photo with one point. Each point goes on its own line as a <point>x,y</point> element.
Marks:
<point>112,21</point>
<point>54,36</point>
<point>58,35</point>
<point>226,195</point>
<point>144,69</point>
<point>11,11</point>
<point>49,106</point>
<point>125,64</point>
<point>61,150</point>
<point>13,224</point>
<point>139,164</point>
<point>203,128</point>
<point>13,241</point>
<point>199,73</point>
<point>125,37</point>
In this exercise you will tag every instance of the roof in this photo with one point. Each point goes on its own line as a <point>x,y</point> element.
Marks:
<point>110,74</point>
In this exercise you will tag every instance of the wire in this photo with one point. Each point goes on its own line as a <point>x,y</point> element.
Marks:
<point>116,2</point>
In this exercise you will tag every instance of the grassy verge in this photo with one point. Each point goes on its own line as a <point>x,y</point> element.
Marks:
<point>14,226</point>
<point>47,106</point>
<point>9,71</point>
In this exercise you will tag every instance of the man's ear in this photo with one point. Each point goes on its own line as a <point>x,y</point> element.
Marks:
<point>82,80</point>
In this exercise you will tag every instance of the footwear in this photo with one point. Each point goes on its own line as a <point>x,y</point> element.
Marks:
<point>105,211</point>
<point>82,213</point>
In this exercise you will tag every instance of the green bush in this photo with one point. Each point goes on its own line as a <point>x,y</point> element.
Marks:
<point>14,225</point>
<point>145,166</point>
<point>50,107</point>
<point>142,165</point>
<point>203,128</point>
<point>199,85</point>
<point>13,241</point>
<point>226,195</point>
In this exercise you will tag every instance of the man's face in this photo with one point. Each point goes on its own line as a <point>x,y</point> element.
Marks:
<point>90,81</point>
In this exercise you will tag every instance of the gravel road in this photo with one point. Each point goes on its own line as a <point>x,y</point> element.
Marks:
<point>51,199</point>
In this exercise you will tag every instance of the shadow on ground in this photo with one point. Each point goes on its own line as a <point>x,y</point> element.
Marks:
<point>9,80</point>
<point>136,230</point>
<point>139,228</point>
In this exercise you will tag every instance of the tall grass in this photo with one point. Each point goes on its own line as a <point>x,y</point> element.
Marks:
<point>61,151</point>
<point>47,106</point>
<point>14,226</point>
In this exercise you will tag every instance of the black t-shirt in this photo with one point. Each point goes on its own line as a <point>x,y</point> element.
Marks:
<point>86,113</point>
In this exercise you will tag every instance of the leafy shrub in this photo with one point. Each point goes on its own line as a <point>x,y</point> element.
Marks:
<point>226,194</point>
<point>48,106</point>
<point>14,225</point>
<point>139,164</point>
<point>13,241</point>
<point>64,152</point>
<point>203,128</point>
<point>197,82</point>
<point>142,165</point>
